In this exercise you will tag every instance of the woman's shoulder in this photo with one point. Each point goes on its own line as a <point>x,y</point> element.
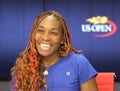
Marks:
<point>77,56</point>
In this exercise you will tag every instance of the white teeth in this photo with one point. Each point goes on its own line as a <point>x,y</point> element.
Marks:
<point>45,46</point>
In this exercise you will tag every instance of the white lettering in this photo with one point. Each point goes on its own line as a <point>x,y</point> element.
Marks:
<point>96,28</point>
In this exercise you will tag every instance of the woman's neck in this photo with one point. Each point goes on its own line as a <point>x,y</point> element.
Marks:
<point>51,60</point>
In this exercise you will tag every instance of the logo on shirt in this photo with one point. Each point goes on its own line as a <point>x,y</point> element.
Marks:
<point>68,73</point>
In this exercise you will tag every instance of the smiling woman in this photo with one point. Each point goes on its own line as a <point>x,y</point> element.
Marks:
<point>48,36</point>
<point>50,63</point>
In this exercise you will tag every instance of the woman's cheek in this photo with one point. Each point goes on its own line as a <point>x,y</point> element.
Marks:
<point>37,36</point>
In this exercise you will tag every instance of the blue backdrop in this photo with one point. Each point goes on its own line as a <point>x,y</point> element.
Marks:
<point>17,16</point>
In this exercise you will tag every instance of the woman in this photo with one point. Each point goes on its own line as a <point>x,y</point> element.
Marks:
<point>49,63</point>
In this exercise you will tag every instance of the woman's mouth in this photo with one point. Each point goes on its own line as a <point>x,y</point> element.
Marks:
<point>45,46</point>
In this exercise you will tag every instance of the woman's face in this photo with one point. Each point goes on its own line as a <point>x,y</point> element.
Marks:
<point>48,36</point>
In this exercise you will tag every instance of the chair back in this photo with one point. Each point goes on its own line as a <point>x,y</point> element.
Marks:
<point>105,81</point>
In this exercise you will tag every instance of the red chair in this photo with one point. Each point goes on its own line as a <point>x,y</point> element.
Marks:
<point>105,81</point>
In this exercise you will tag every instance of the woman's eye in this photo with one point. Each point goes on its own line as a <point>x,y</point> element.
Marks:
<point>54,33</point>
<point>40,30</point>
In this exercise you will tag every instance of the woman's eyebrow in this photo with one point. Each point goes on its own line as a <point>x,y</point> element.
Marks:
<point>40,26</point>
<point>54,28</point>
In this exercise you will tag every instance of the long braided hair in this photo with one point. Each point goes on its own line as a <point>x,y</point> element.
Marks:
<point>26,72</point>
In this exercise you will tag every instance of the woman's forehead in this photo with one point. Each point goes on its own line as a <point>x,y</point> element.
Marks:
<point>50,21</point>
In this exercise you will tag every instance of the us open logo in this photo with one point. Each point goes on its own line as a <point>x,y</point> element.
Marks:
<point>99,26</point>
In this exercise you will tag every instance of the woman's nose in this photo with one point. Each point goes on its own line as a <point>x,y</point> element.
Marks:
<point>46,36</point>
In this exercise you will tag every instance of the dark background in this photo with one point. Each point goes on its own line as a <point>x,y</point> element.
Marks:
<point>17,16</point>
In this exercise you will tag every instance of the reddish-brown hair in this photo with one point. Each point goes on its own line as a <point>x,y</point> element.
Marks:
<point>26,71</point>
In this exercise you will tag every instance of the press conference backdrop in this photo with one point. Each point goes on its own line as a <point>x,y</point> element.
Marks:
<point>94,26</point>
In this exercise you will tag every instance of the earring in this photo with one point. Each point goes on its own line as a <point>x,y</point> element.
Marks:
<point>62,42</point>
